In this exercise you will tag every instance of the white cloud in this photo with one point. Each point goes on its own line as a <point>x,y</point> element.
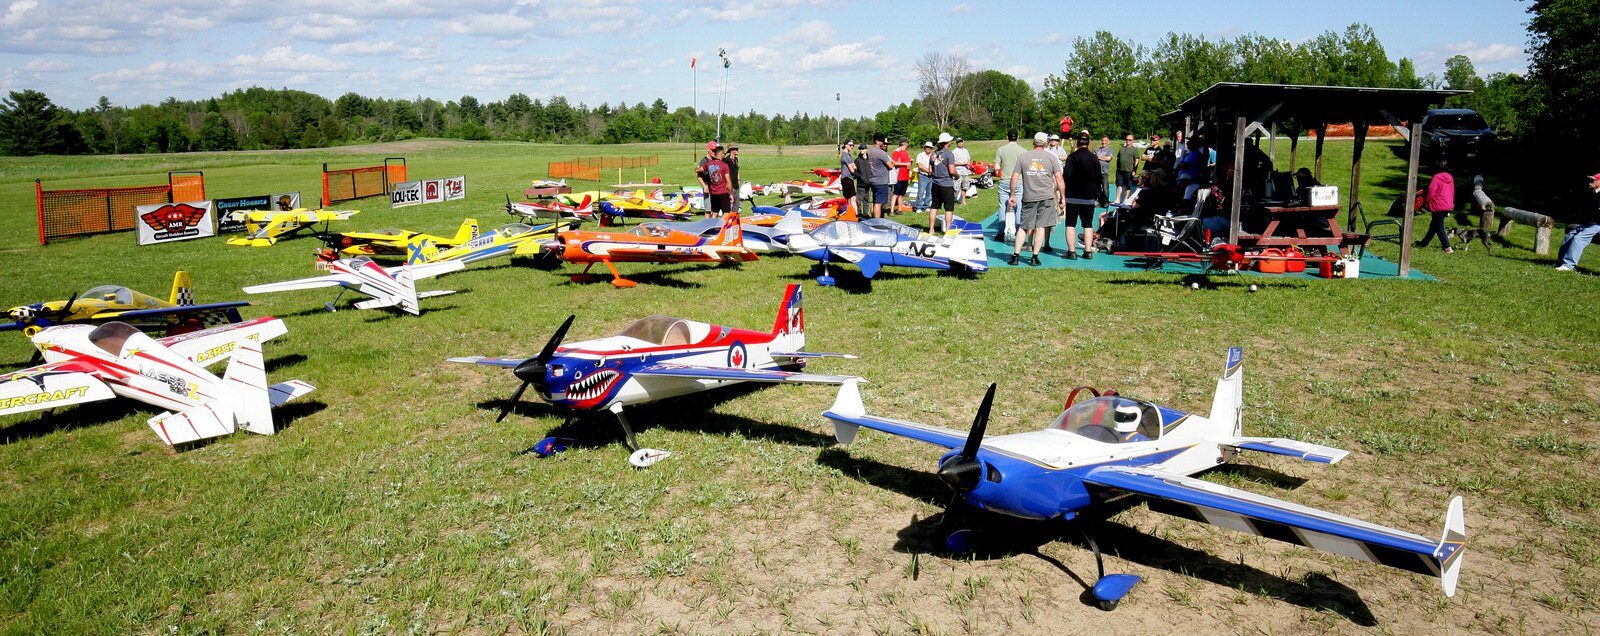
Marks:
<point>960,8</point>
<point>17,11</point>
<point>843,56</point>
<point>1056,39</point>
<point>322,27</point>
<point>284,58</point>
<point>362,48</point>
<point>1487,54</point>
<point>45,65</point>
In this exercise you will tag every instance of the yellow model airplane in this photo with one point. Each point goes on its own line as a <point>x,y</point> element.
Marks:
<point>178,314</point>
<point>392,242</point>
<point>265,227</point>
<point>511,239</point>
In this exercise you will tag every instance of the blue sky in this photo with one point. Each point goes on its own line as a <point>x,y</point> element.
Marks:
<point>787,55</point>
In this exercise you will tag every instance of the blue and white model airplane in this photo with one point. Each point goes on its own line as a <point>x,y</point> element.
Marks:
<point>660,357</point>
<point>1110,446</point>
<point>877,243</point>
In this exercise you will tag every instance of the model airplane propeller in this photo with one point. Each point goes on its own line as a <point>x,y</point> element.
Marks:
<point>1102,448</point>
<point>660,357</point>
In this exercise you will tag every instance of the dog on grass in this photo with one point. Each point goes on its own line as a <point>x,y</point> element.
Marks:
<point>1464,236</point>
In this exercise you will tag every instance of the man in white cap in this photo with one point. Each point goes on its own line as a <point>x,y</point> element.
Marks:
<point>943,164</point>
<point>924,177</point>
<point>1037,184</point>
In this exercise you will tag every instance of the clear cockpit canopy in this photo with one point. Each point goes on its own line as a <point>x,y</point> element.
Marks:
<point>1112,419</point>
<point>110,293</point>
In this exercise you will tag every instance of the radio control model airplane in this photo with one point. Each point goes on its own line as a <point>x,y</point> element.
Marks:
<point>511,239</point>
<point>553,208</point>
<point>393,242</point>
<point>387,287</point>
<point>265,228</point>
<point>650,243</point>
<point>659,357</point>
<point>640,205</point>
<point>1110,446</point>
<point>876,243</point>
<point>104,303</point>
<point>830,185</point>
<point>85,363</point>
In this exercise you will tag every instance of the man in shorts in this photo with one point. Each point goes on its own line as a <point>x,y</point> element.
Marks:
<point>924,177</point>
<point>847,170</point>
<point>963,169</point>
<point>1085,188</point>
<point>719,185</point>
<point>902,174</point>
<point>944,182</point>
<point>883,174</point>
<point>1038,180</point>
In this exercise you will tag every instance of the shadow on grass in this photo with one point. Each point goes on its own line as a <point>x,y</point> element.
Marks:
<point>1215,282</point>
<point>595,429</point>
<point>1003,537</point>
<point>658,278</point>
<point>850,280</point>
<point>71,418</point>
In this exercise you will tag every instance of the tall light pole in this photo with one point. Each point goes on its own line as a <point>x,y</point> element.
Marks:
<point>838,120</point>
<point>722,53</point>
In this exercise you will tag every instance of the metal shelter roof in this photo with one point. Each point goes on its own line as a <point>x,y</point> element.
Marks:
<point>1312,103</point>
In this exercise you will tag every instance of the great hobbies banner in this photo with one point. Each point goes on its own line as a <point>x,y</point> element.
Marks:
<point>274,202</point>
<point>168,222</point>
<point>412,193</point>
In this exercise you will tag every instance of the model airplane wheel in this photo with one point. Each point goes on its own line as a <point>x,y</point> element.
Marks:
<point>330,307</point>
<point>960,541</point>
<point>825,281</point>
<point>1107,605</point>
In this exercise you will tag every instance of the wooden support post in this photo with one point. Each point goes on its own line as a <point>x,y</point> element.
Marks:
<point>1355,174</point>
<point>1294,148</point>
<point>1322,132</point>
<point>1240,131</point>
<point>1411,197</point>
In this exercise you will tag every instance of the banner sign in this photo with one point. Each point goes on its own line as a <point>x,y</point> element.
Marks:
<point>427,191</point>
<point>455,188</point>
<point>405,194</point>
<point>275,202</point>
<point>432,191</point>
<point>167,222</point>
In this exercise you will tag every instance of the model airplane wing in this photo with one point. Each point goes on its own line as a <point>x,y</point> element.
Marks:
<point>1248,512</point>
<point>209,346</point>
<point>430,270</point>
<point>1288,447</point>
<point>744,375</point>
<point>181,309</point>
<point>330,280</point>
<point>50,386</point>
<point>509,363</point>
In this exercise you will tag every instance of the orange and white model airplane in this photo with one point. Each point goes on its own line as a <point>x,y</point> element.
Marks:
<point>650,243</point>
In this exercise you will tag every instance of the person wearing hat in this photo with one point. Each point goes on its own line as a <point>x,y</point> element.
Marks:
<point>1580,234</point>
<point>1037,184</point>
<point>943,176</point>
<point>963,171</point>
<point>700,169</point>
<point>719,185</point>
<point>924,177</point>
<point>847,170</point>
<point>1056,148</point>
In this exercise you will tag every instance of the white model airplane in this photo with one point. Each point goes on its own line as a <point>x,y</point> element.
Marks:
<point>87,363</point>
<point>387,287</point>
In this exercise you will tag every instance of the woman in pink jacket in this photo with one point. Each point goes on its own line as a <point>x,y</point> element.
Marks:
<point>1439,201</point>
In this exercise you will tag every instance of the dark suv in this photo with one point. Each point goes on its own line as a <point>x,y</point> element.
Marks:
<point>1456,133</point>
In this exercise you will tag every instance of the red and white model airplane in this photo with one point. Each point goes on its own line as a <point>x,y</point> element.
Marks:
<point>86,363</point>
<point>660,357</point>
<point>387,287</point>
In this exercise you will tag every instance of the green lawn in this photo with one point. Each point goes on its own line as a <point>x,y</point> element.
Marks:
<point>391,502</point>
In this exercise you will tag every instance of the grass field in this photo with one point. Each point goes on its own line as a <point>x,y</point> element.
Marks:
<point>390,502</point>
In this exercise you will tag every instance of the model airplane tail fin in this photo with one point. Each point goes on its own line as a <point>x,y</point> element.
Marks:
<point>408,295</point>
<point>790,325</point>
<point>420,250</point>
<point>182,290</point>
<point>1229,399</point>
<point>246,378</point>
<point>468,231</point>
<point>849,213</point>
<point>731,233</point>
<point>793,223</point>
<point>1452,547</point>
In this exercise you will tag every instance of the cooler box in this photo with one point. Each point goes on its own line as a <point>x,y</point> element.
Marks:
<point>1324,195</point>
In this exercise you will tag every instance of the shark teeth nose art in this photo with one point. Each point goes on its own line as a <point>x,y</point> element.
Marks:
<point>591,387</point>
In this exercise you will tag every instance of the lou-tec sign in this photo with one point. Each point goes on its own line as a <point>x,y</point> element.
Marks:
<point>405,194</point>
<point>167,222</point>
<point>429,191</point>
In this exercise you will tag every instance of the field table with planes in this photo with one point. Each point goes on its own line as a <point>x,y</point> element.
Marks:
<point>390,501</point>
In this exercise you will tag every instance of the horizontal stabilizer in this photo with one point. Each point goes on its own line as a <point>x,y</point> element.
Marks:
<point>509,363</point>
<point>212,419</point>
<point>1289,447</point>
<point>812,354</point>
<point>282,392</point>
<point>379,302</point>
<point>436,292</point>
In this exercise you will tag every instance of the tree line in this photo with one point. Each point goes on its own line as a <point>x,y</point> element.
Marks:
<point>1107,84</point>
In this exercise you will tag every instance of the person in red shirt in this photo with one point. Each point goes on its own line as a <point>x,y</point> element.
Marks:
<point>1439,200</point>
<point>719,184</point>
<point>902,174</point>
<point>1066,126</point>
